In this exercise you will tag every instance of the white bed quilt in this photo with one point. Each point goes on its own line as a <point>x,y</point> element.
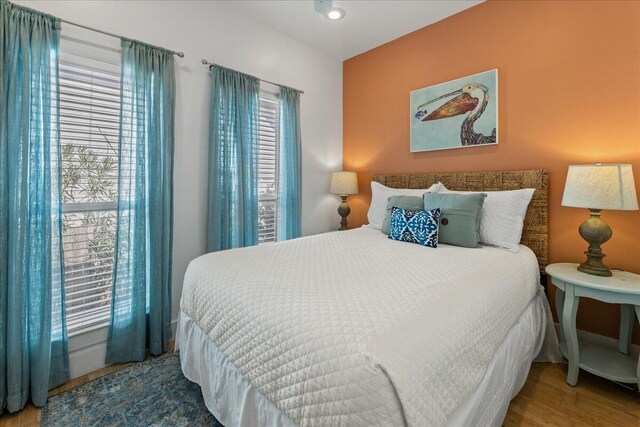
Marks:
<point>351,328</point>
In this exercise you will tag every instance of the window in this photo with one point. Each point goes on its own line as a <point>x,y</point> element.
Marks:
<point>89,128</point>
<point>268,168</point>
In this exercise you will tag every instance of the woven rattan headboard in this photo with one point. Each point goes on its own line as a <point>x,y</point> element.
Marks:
<point>536,223</point>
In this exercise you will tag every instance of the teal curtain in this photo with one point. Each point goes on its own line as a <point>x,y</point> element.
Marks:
<point>141,294</point>
<point>33,338</point>
<point>233,160</point>
<point>290,187</point>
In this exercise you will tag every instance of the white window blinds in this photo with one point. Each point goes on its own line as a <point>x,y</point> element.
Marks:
<point>268,168</point>
<point>89,127</point>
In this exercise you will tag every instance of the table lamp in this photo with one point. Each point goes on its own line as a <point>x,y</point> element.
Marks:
<point>598,187</point>
<point>344,184</point>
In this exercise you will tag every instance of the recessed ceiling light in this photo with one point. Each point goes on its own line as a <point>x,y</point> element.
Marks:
<point>335,13</point>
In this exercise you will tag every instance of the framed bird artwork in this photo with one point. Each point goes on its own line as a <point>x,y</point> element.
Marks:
<point>456,114</point>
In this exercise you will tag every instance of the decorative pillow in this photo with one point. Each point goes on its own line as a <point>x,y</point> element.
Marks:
<point>419,227</point>
<point>459,219</point>
<point>502,216</point>
<point>380,195</point>
<point>412,203</point>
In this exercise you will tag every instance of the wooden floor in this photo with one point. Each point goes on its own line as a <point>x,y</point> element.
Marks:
<point>545,400</point>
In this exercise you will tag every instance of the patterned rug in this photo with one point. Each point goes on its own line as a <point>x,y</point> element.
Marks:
<point>151,393</point>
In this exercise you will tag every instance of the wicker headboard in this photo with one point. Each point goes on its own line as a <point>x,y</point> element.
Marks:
<point>536,223</point>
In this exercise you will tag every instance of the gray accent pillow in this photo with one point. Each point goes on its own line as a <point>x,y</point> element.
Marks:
<point>460,217</point>
<point>408,203</point>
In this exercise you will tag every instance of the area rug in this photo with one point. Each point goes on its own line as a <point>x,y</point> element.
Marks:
<point>151,393</point>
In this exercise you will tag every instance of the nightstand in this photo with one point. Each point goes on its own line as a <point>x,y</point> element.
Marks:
<point>622,288</point>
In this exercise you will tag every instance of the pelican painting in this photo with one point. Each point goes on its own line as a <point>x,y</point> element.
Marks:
<point>459,113</point>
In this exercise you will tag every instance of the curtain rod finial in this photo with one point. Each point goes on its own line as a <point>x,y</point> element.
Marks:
<point>180,54</point>
<point>205,62</point>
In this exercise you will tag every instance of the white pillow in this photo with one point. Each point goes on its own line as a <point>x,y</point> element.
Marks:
<point>380,196</point>
<point>502,216</point>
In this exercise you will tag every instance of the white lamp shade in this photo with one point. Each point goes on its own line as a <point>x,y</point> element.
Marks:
<point>344,183</point>
<point>600,187</point>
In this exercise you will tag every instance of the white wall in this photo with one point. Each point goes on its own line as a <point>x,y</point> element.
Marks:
<point>208,30</point>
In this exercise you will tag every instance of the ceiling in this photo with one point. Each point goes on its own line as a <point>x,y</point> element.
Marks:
<point>367,24</point>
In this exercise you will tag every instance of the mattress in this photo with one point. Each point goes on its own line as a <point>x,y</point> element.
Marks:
<point>351,328</point>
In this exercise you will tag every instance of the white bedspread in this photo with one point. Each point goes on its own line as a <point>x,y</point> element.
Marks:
<point>352,328</point>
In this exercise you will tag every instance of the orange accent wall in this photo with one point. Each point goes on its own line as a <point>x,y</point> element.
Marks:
<point>569,93</point>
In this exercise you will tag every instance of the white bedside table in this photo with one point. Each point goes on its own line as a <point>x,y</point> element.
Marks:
<point>622,288</point>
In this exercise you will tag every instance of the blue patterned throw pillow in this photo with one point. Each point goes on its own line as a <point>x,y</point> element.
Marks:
<point>419,227</point>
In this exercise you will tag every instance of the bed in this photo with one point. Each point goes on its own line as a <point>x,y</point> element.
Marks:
<point>351,328</point>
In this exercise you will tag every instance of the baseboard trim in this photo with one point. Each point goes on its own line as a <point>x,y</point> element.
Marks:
<point>87,351</point>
